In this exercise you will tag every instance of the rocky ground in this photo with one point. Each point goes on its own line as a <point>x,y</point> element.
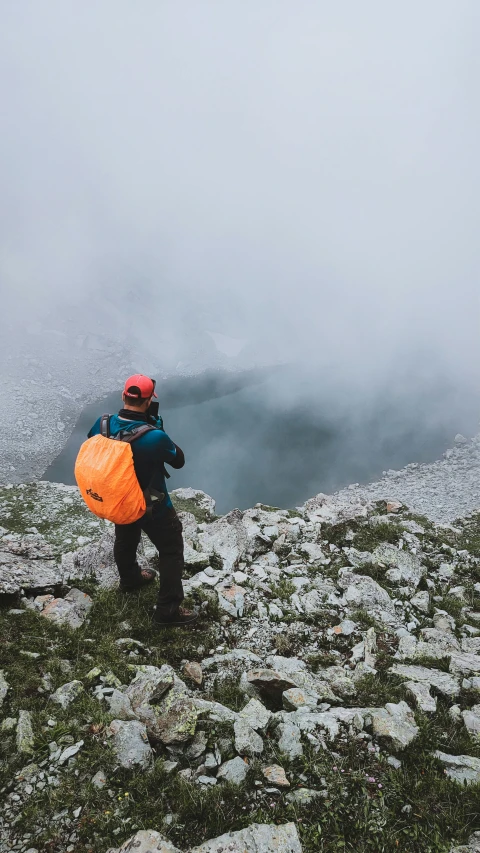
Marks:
<point>328,699</point>
<point>442,490</point>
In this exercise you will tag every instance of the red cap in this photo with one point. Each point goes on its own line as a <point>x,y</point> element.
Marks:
<point>140,386</point>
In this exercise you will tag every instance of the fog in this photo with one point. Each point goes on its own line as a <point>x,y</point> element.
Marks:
<point>299,176</point>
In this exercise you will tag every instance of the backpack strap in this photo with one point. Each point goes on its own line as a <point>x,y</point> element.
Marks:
<point>129,436</point>
<point>105,426</point>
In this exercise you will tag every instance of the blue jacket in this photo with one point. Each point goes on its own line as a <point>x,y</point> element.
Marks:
<point>150,452</point>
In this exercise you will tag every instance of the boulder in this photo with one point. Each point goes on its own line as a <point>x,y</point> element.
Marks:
<point>276,776</point>
<point>225,538</point>
<point>200,500</point>
<point>395,721</point>
<point>173,721</point>
<point>257,838</point>
<point>234,771</point>
<point>289,740</point>
<point>231,599</point>
<point>150,684</point>
<point>26,562</point>
<point>119,706</point>
<point>297,697</point>
<point>130,743</point>
<point>255,715</point>
<point>313,553</point>
<point>195,559</point>
<point>421,600</point>
<point>92,560</point>
<point>270,681</point>
<point>146,841</point>
<point>363,592</point>
<point>464,664</point>
<point>247,741</point>
<point>193,670</point>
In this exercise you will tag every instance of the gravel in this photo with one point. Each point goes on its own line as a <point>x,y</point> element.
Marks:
<point>442,491</point>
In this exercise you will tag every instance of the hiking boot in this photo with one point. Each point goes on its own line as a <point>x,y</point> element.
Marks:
<point>181,617</point>
<point>146,577</point>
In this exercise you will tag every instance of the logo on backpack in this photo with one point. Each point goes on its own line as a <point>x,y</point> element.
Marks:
<point>94,495</point>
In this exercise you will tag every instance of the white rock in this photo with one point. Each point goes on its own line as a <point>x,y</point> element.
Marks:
<point>257,838</point>
<point>201,499</point>
<point>442,681</point>
<point>289,740</point>
<point>461,768</point>
<point>472,845</point>
<point>247,741</point>
<point>67,693</point>
<point>421,692</point>
<point>70,751</point>
<point>130,743</point>
<point>471,719</point>
<point>404,566</point>
<point>234,771</point>
<point>24,736</point>
<point>119,706</point>
<point>395,721</point>
<point>255,715</point>
<point>231,599</point>
<point>421,600</point>
<point>4,687</point>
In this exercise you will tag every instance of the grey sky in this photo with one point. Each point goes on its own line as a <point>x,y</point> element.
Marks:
<point>308,170</point>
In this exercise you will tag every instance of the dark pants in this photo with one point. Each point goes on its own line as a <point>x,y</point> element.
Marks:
<point>164,529</point>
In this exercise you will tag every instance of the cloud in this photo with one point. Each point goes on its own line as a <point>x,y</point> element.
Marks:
<point>304,176</point>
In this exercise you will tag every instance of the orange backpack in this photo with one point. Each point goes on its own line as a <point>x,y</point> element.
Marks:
<point>106,477</point>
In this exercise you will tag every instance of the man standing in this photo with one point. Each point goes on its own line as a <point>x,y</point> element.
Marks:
<point>161,524</point>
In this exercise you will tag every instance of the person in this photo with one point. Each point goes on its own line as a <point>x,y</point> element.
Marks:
<point>151,452</point>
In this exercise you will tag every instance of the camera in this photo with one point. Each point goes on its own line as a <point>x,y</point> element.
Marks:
<point>152,410</point>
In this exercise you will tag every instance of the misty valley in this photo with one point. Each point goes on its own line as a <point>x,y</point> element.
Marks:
<point>273,436</point>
